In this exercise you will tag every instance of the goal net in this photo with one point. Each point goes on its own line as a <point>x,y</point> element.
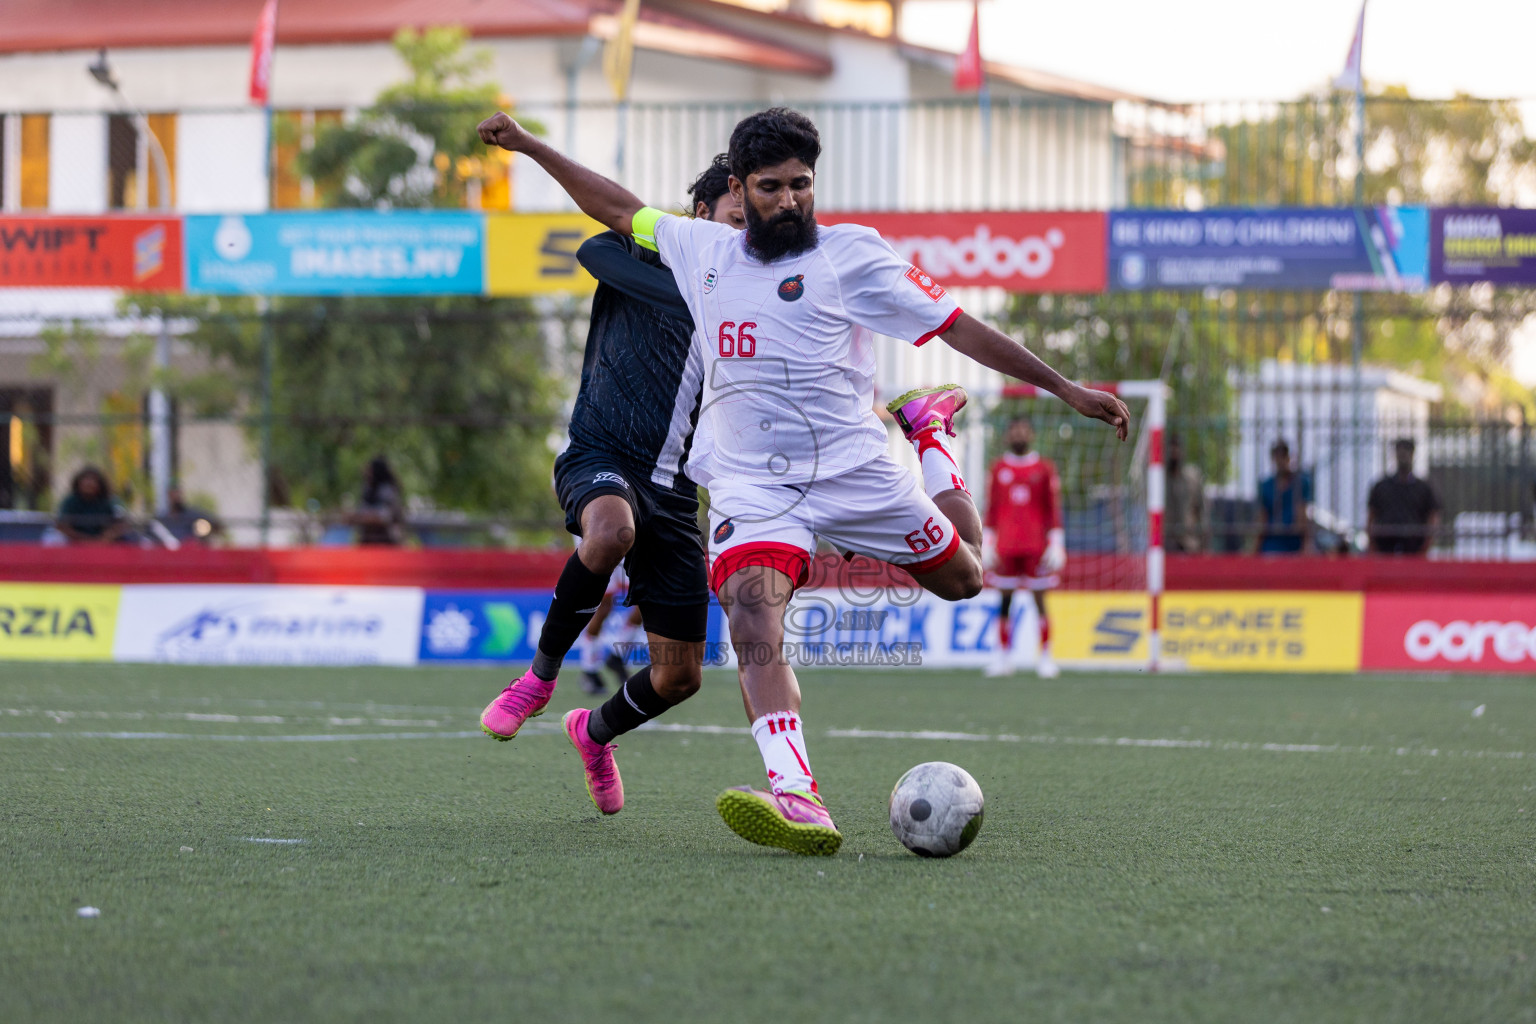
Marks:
<point>1106,609</point>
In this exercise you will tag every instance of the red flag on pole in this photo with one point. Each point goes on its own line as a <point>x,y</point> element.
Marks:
<point>968,70</point>
<point>263,41</point>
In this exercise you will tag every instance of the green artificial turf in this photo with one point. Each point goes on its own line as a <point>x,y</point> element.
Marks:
<point>1178,848</point>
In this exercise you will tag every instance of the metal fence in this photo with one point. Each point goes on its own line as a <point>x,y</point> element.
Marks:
<point>1246,368</point>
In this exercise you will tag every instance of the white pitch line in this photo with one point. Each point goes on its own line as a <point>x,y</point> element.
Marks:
<point>231,738</point>
<point>1042,739</point>
<point>274,842</point>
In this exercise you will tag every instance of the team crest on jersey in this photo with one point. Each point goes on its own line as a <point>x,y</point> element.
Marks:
<point>724,531</point>
<point>709,280</point>
<point>926,284</point>
<point>791,288</point>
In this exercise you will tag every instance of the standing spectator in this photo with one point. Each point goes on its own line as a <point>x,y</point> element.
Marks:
<point>380,516</point>
<point>188,523</point>
<point>1184,503</point>
<point>1285,507</point>
<point>1403,510</point>
<point>89,514</point>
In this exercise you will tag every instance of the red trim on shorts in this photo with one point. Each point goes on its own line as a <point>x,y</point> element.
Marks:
<point>946,325</point>
<point>789,559</point>
<point>930,564</point>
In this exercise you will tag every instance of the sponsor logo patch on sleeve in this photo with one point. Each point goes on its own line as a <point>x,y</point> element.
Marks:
<point>926,284</point>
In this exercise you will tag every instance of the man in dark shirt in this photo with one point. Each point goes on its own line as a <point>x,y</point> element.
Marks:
<point>624,492</point>
<point>1403,510</point>
<point>89,514</point>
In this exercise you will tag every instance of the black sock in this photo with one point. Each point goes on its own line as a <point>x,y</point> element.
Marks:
<point>635,704</point>
<point>577,595</point>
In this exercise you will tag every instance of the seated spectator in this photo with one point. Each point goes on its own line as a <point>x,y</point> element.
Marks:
<point>1403,510</point>
<point>89,514</point>
<point>380,516</point>
<point>188,523</point>
<point>1285,507</point>
<point>1184,515</point>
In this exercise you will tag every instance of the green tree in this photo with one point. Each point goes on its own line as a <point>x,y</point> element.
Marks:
<point>449,388</point>
<point>415,146</point>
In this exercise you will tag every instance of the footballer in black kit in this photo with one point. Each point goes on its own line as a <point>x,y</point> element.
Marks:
<point>624,492</point>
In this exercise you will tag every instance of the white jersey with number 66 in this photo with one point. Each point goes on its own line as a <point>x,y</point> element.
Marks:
<point>787,347</point>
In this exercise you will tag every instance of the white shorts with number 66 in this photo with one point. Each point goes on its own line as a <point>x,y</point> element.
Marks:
<point>878,509</point>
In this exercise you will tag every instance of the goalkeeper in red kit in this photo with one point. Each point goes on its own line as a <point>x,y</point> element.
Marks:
<point>1023,539</point>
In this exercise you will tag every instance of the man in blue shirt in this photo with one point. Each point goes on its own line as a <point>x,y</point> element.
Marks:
<point>1285,507</point>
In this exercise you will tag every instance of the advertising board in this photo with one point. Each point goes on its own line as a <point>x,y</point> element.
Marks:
<point>1472,244</point>
<point>142,253</point>
<point>57,621</point>
<point>1019,252</point>
<point>1379,248</point>
<point>535,253</point>
<point>1451,632</point>
<point>268,625</point>
<point>351,252</point>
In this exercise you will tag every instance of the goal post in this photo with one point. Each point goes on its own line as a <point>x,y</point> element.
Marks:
<point>1113,495</point>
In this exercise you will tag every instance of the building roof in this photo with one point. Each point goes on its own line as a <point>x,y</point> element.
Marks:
<point>31,26</point>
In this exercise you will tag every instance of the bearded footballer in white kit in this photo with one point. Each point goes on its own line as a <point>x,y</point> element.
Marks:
<point>788,442</point>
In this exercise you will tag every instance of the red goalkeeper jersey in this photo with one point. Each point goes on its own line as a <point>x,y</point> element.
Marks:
<point>1023,503</point>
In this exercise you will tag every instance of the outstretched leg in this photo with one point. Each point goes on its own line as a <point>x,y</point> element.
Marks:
<point>926,416</point>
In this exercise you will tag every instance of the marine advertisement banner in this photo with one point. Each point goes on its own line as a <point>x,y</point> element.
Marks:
<point>1451,632</point>
<point>1019,252</point>
<point>1379,248</point>
<point>268,625</point>
<point>1472,244</point>
<point>142,253</point>
<point>350,252</point>
<point>535,253</point>
<point>57,621</point>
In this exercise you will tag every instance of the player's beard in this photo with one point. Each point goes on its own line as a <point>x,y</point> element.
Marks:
<point>787,234</point>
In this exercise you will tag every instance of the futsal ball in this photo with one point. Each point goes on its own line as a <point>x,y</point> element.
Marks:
<point>936,809</point>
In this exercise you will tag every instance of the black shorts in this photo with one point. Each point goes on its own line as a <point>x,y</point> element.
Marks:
<point>666,567</point>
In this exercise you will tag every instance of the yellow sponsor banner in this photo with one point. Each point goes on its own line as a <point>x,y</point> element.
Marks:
<point>535,253</point>
<point>57,621</point>
<point>1098,626</point>
<point>1257,631</point>
<point>1247,630</point>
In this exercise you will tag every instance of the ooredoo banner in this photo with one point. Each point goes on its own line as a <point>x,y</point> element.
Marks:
<point>142,253</point>
<point>268,625</point>
<point>1466,633</point>
<point>1020,252</point>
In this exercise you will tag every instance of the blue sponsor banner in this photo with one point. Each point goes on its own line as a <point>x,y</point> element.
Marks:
<point>352,252</point>
<point>1380,248</point>
<point>1473,244</point>
<point>503,626</point>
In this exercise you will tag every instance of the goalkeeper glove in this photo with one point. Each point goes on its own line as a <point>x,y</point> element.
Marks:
<point>1055,558</point>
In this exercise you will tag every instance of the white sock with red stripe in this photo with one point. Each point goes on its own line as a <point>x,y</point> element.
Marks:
<point>941,472</point>
<point>782,745</point>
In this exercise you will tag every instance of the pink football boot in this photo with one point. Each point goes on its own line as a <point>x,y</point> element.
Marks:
<point>603,783</point>
<point>917,411</point>
<point>796,822</point>
<point>523,699</point>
